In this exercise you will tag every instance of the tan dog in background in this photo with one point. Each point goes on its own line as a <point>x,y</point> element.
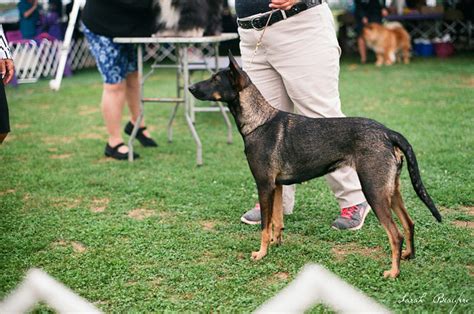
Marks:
<point>388,42</point>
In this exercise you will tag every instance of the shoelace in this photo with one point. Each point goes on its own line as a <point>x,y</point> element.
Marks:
<point>347,212</point>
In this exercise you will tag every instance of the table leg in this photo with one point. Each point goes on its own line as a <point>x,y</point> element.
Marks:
<point>178,95</point>
<point>184,49</point>
<point>170,123</point>
<point>142,105</point>
<point>221,107</point>
<point>192,112</point>
<point>216,56</point>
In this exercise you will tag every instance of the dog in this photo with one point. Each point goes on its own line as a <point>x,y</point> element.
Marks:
<point>284,148</point>
<point>187,18</point>
<point>388,42</point>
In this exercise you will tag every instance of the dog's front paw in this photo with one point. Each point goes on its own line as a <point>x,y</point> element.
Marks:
<point>391,273</point>
<point>256,256</point>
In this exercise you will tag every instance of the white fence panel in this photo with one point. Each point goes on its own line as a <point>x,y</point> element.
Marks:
<point>39,286</point>
<point>315,285</point>
<point>33,60</point>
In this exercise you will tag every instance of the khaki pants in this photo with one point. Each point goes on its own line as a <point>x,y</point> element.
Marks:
<point>296,68</point>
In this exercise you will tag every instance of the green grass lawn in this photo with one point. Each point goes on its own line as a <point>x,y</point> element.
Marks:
<point>162,234</point>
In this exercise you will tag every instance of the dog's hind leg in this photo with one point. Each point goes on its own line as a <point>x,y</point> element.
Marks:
<point>378,193</point>
<point>382,210</point>
<point>398,207</point>
<point>266,195</point>
<point>277,217</point>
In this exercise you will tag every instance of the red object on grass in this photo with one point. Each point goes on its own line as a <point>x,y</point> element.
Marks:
<point>444,50</point>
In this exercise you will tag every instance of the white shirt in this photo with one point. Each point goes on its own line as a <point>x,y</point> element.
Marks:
<point>4,48</point>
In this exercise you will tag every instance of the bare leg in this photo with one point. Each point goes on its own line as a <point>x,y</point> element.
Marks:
<point>133,99</point>
<point>113,101</point>
<point>362,49</point>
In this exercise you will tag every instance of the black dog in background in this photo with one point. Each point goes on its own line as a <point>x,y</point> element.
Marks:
<point>284,148</point>
<point>188,18</point>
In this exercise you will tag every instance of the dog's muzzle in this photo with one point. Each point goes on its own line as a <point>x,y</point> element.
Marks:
<point>259,21</point>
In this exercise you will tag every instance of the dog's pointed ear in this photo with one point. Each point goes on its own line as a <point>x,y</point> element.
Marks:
<point>239,77</point>
<point>233,64</point>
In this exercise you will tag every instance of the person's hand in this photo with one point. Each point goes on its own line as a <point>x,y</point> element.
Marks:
<point>7,69</point>
<point>282,4</point>
<point>365,20</point>
<point>384,12</point>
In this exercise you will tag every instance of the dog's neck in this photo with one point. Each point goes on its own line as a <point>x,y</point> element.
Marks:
<point>251,110</point>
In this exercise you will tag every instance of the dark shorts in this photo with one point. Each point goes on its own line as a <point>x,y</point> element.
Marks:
<point>4,118</point>
<point>114,61</point>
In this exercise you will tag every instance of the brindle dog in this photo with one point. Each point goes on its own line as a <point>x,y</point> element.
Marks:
<point>286,148</point>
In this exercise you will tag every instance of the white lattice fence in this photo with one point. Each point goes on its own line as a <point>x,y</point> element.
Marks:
<point>33,60</point>
<point>80,56</point>
<point>49,55</point>
<point>25,56</point>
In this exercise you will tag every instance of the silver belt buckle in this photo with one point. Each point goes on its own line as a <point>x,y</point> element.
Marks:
<point>253,25</point>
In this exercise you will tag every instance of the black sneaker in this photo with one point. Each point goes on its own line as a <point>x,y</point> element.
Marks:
<point>113,152</point>
<point>145,141</point>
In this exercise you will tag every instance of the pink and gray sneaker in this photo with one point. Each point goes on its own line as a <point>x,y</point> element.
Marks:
<point>253,216</point>
<point>352,218</point>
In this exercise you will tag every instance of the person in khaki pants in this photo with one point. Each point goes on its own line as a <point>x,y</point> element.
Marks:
<point>296,68</point>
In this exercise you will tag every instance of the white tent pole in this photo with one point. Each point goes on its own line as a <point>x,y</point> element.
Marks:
<point>55,84</point>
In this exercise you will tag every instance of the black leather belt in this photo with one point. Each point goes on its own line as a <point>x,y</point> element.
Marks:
<point>260,21</point>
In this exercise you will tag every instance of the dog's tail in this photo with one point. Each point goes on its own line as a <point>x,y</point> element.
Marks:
<point>401,142</point>
<point>393,25</point>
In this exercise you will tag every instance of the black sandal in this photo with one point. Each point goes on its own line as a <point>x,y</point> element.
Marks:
<point>145,141</point>
<point>115,154</point>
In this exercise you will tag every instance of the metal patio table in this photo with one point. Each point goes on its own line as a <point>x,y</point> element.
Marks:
<point>183,67</point>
